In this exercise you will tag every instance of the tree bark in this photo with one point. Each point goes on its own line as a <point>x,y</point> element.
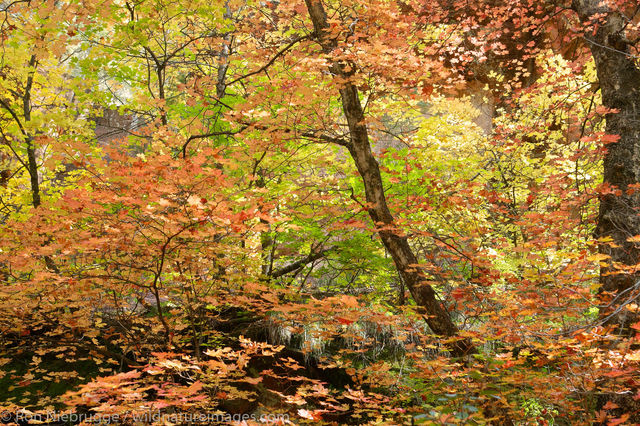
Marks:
<point>618,218</point>
<point>359,147</point>
<point>31,151</point>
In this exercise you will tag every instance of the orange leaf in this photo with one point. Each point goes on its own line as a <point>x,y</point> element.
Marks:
<point>614,422</point>
<point>610,405</point>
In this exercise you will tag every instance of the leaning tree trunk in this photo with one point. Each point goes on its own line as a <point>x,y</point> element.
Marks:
<point>619,216</point>
<point>359,147</point>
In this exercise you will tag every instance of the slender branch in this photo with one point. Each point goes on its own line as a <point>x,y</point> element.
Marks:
<point>15,117</point>
<point>272,60</point>
<point>208,135</point>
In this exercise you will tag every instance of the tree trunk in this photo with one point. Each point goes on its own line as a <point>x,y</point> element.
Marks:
<point>31,150</point>
<point>359,147</point>
<point>618,218</point>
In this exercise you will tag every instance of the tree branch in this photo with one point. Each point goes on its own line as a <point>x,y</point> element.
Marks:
<point>299,264</point>
<point>272,60</point>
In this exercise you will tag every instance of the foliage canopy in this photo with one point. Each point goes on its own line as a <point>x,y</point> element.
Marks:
<point>347,212</point>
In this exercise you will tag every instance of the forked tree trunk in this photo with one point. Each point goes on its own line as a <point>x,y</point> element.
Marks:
<point>619,215</point>
<point>359,147</point>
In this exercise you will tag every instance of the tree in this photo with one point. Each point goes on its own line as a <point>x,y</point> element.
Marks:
<point>288,171</point>
<point>619,78</point>
<point>360,150</point>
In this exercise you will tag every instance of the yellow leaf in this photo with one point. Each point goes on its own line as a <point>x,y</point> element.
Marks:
<point>598,257</point>
<point>633,356</point>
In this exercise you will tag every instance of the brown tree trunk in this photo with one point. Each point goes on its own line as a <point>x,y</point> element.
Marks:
<point>31,151</point>
<point>618,218</point>
<point>359,147</point>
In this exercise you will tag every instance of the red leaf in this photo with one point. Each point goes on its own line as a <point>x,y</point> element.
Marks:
<point>344,321</point>
<point>458,293</point>
<point>427,89</point>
